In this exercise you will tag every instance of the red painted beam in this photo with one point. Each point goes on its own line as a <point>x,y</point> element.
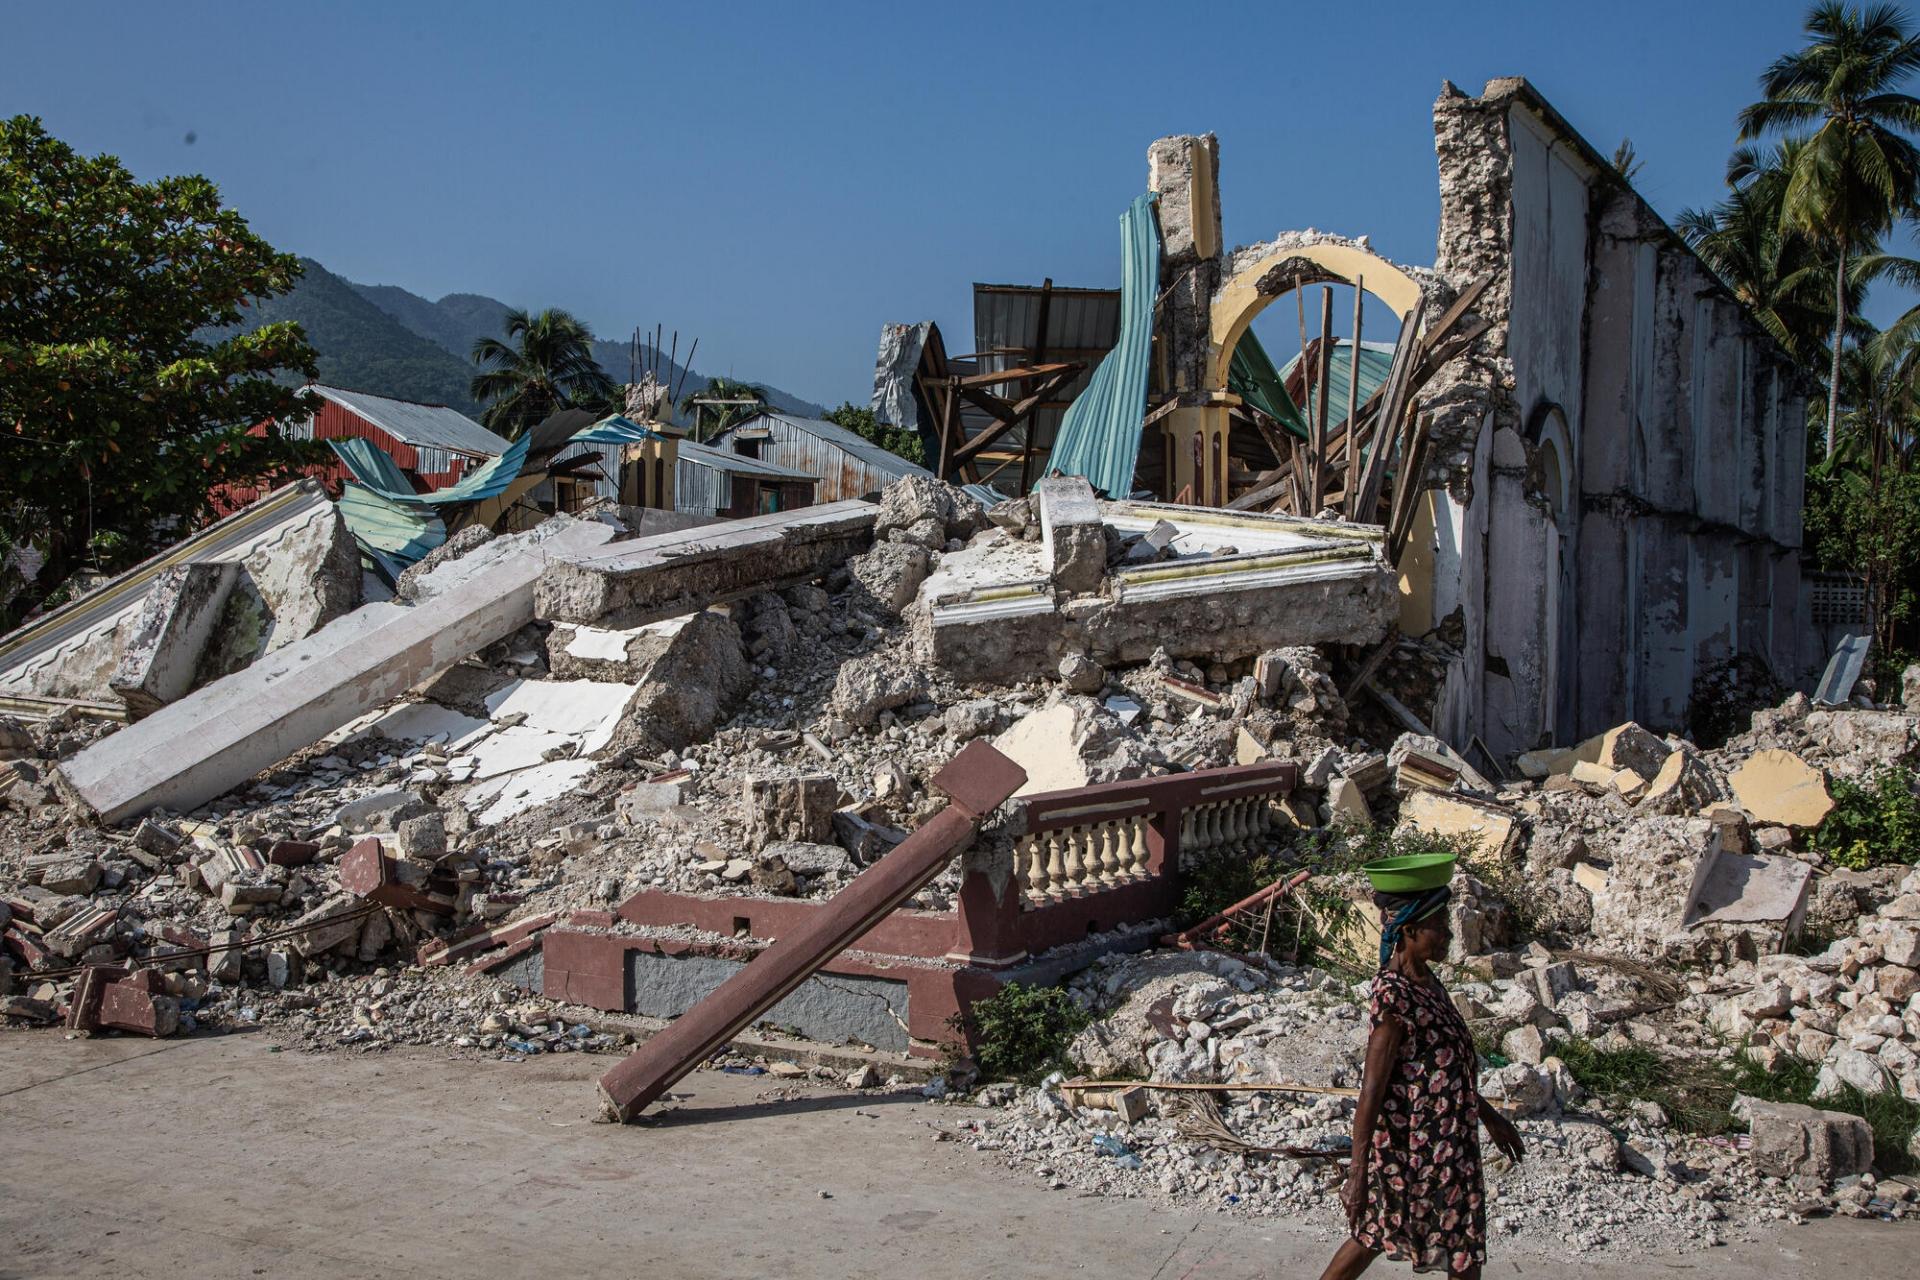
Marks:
<point>978,780</point>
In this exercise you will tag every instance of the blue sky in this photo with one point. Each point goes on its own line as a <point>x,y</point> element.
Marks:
<point>781,179</point>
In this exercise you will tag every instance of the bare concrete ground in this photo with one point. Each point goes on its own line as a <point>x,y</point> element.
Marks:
<point>221,1157</point>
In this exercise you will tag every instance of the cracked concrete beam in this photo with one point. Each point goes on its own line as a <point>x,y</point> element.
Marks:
<point>676,573</point>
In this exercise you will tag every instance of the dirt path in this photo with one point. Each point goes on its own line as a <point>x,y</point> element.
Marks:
<point>221,1157</point>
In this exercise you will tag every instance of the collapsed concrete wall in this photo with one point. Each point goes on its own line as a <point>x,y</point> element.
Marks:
<point>297,570</point>
<point>1617,485</point>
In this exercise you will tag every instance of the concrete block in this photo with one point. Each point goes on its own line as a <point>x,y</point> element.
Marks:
<point>1806,1144</point>
<point>170,633</point>
<point>790,807</point>
<point>194,749</point>
<point>1072,540</point>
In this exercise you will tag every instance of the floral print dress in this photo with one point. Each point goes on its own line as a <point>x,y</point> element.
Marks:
<point>1424,1198</point>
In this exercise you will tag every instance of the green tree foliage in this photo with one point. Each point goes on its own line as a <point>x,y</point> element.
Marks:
<point>1776,272</point>
<point>894,440</point>
<point>117,413</point>
<point>711,411</point>
<point>1857,173</point>
<point>546,364</point>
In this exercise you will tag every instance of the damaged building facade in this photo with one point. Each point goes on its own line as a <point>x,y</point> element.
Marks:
<point>1610,501</point>
<point>1589,458</point>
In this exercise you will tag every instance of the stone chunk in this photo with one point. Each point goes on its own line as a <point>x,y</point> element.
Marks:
<point>79,876</point>
<point>790,807</point>
<point>1779,787</point>
<point>171,631</point>
<point>891,573</point>
<point>1804,1143</point>
<point>1346,801</point>
<point>323,928</point>
<point>1072,538</point>
<point>422,839</point>
<point>646,800</point>
<point>1081,674</point>
<point>868,686</point>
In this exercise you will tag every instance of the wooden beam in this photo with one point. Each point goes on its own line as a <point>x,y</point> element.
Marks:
<point>1352,484</point>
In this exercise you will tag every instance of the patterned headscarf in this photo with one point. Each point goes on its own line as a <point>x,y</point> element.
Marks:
<point>1416,908</point>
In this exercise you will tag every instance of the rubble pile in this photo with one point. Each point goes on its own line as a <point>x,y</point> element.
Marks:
<point>1632,891</point>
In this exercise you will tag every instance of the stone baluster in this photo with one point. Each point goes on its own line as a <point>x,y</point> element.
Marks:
<point>1109,857</point>
<point>1137,863</point>
<point>1034,862</point>
<point>1056,867</point>
<point>1076,867</point>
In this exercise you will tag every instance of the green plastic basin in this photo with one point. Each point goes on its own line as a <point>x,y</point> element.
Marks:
<point>1413,873</point>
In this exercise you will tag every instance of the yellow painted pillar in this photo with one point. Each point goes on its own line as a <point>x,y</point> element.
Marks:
<point>1195,440</point>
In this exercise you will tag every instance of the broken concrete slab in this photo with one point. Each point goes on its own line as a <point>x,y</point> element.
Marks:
<point>1739,888</point>
<point>170,633</point>
<point>1493,828</point>
<point>647,579</point>
<point>299,570</point>
<point>1243,584</point>
<point>1073,543</point>
<point>218,736</point>
<point>1045,744</point>
<point>1779,787</point>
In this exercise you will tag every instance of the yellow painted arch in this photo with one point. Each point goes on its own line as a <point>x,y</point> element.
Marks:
<point>1239,299</point>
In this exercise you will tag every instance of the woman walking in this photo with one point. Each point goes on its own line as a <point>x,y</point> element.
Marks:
<point>1414,1189</point>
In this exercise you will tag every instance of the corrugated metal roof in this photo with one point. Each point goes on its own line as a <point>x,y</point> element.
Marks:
<point>1376,359</point>
<point>428,425</point>
<point>1082,325</point>
<point>1100,434</point>
<point>391,535</point>
<point>371,465</point>
<point>890,464</point>
<point>738,463</point>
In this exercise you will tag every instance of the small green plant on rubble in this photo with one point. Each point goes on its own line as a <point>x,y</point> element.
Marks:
<point>1022,1032</point>
<point>1873,823</point>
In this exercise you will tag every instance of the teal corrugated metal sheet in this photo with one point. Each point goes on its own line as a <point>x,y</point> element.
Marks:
<point>1252,377</point>
<point>488,481</point>
<point>371,465</point>
<point>615,430</point>
<point>390,534</point>
<point>1375,360</point>
<point>1100,434</point>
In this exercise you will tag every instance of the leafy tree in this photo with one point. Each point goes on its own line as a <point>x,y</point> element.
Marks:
<point>710,418</point>
<point>545,365</point>
<point>894,440</point>
<point>119,413</point>
<point>1858,171</point>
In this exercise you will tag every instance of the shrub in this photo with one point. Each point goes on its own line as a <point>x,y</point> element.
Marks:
<point>1022,1032</point>
<point>1872,823</point>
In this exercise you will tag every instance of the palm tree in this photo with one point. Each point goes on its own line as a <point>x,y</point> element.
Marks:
<point>720,404</point>
<point>1774,271</point>
<point>545,365</point>
<point>1857,172</point>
